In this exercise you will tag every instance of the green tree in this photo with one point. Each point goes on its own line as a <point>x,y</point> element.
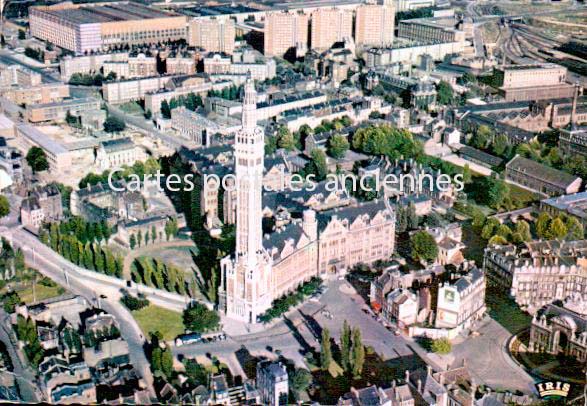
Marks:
<point>482,137</point>
<point>357,354</point>
<point>441,346</point>
<point>557,229</point>
<point>574,229</point>
<point>4,206</point>
<point>167,362</point>
<point>37,159</point>
<point>338,145</point>
<point>317,164</point>
<point>500,144</point>
<point>199,319</point>
<point>467,174</point>
<point>285,139</point>
<point>413,219</point>
<point>21,34</point>
<point>345,346</point>
<point>325,350</point>
<point>113,124</point>
<point>543,225</point>
<point>444,93</point>
<point>503,231</point>
<point>300,380</point>
<point>133,241</point>
<point>523,230</point>
<point>497,193</point>
<point>424,247</point>
<point>497,240</point>
<point>489,228</point>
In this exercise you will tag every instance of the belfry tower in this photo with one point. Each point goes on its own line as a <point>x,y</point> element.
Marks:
<point>245,290</point>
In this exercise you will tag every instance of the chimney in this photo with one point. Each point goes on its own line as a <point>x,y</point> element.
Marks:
<point>407,376</point>
<point>574,108</point>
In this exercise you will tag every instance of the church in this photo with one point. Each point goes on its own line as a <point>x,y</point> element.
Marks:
<point>311,243</point>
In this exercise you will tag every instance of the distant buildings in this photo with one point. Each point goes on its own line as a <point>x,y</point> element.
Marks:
<point>272,383</point>
<point>541,178</point>
<point>213,35</point>
<point>412,52</point>
<point>88,27</point>
<point>574,205</point>
<point>429,30</point>
<point>36,94</point>
<point>540,272</point>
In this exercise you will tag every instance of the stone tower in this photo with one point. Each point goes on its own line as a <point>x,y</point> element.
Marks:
<point>245,291</point>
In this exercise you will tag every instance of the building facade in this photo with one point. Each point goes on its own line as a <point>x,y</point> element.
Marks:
<point>85,28</point>
<point>374,24</point>
<point>285,31</point>
<point>462,302</point>
<point>272,383</point>
<point>330,26</point>
<point>213,35</point>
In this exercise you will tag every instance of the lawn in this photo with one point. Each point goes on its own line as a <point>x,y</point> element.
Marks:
<point>154,318</point>
<point>42,292</point>
<point>132,107</point>
<point>504,310</point>
<point>523,196</point>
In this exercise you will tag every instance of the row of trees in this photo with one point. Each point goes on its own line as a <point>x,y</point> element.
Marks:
<point>352,350</point>
<point>149,167</point>
<point>161,357</point>
<point>387,140</point>
<point>229,93</point>
<point>191,102</point>
<point>152,236</point>
<point>26,331</point>
<point>154,272</point>
<point>286,302</point>
<point>89,255</point>
<point>84,231</point>
<point>562,227</point>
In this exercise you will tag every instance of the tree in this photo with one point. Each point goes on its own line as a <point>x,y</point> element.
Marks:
<point>503,231</point>
<point>467,174</point>
<point>317,164</point>
<point>37,159</point>
<point>199,319</point>
<point>338,145</point>
<point>482,137</point>
<point>413,219</point>
<point>441,346</point>
<point>444,93</point>
<point>357,354</point>
<point>300,380</point>
<point>4,206</point>
<point>523,231</point>
<point>489,228</point>
<point>285,139</point>
<point>165,109</point>
<point>424,247</point>
<point>557,229</point>
<point>21,34</point>
<point>345,346</point>
<point>497,240</point>
<point>167,362</point>
<point>497,192</point>
<point>500,144</point>
<point>325,350</point>
<point>133,241</point>
<point>574,229</point>
<point>543,224</point>
<point>114,125</point>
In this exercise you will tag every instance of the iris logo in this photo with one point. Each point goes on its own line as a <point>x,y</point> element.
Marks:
<point>551,389</point>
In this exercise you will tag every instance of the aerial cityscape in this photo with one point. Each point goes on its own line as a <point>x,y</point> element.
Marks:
<point>278,202</point>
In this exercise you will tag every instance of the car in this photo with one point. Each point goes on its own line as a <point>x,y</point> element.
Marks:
<point>397,333</point>
<point>103,296</point>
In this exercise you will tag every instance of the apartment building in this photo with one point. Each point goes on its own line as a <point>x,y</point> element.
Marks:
<point>286,31</point>
<point>43,93</point>
<point>88,64</point>
<point>42,205</point>
<point>19,75</point>
<point>533,82</point>
<point>462,302</point>
<point>243,63</point>
<point>213,35</point>
<point>180,65</point>
<point>538,273</point>
<point>122,91</point>
<point>37,113</point>
<point>374,24</point>
<point>139,66</point>
<point>178,86</point>
<point>330,26</point>
<point>91,27</point>
<point>58,156</point>
<point>411,53</point>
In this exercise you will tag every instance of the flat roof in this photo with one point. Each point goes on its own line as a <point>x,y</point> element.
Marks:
<point>109,13</point>
<point>41,139</point>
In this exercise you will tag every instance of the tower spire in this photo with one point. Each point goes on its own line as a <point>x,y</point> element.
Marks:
<point>249,116</point>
